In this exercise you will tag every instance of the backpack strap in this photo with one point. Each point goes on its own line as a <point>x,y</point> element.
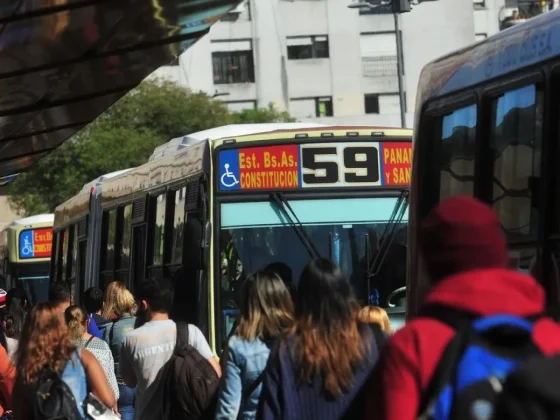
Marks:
<point>111,331</point>
<point>182,335</point>
<point>251,388</point>
<point>255,384</point>
<point>87,342</point>
<point>460,321</point>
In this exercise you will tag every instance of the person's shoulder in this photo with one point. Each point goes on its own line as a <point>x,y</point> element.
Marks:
<point>99,343</point>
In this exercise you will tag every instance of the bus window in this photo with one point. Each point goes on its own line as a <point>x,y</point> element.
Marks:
<point>457,152</point>
<point>73,263</point>
<point>516,143</point>
<point>159,230</point>
<point>126,235</point>
<point>108,259</point>
<point>57,260</point>
<point>178,223</point>
<point>65,255</point>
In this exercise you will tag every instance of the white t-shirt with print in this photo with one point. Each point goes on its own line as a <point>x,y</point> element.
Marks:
<point>144,352</point>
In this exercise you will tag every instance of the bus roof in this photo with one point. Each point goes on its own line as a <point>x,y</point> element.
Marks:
<point>65,62</point>
<point>32,220</point>
<point>232,130</point>
<point>520,46</point>
<point>97,181</point>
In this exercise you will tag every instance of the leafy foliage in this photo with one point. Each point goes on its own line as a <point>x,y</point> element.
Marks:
<point>124,137</point>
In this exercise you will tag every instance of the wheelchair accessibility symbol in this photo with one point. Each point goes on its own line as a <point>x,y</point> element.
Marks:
<point>228,178</point>
<point>26,247</point>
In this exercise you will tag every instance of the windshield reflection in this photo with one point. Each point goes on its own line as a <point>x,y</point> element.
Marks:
<point>254,235</point>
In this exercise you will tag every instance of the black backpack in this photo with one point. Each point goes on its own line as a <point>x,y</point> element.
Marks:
<point>190,383</point>
<point>54,398</point>
<point>532,392</point>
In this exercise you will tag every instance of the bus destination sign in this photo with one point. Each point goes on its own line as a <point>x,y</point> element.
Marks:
<point>315,165</point>
<point>35,243</point>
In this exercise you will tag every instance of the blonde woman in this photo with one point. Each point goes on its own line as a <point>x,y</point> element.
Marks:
<point>120,308</point>
<point>376,315</point>
<point>77,321</point>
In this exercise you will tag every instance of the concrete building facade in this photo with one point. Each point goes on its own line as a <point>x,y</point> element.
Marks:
<point>321,60</point>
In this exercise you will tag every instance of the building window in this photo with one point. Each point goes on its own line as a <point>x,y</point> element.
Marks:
<point>371,103</point>
<point>238,106</point>
<point>305,47</point>
<point>479,4</point>
<point>379,54</point>
<point>232,62</point>
<point>311,107</point>
<point>379,10</point>
<point>457,152</point>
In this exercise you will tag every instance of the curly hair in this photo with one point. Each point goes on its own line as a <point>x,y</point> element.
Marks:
<point>44,343</point>
<point>76,320</point>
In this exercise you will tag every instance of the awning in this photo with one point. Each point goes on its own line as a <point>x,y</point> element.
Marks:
<point>63,62</point>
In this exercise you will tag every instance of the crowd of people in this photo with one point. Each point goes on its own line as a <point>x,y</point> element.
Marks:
<point>309,352</point>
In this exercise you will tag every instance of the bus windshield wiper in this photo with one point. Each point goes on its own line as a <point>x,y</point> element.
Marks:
<point>295,223</point>
<point>387,239</point>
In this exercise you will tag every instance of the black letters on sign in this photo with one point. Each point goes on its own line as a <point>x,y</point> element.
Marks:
<point>370,164</point>
<point>330,168</point>
<point>361,165</point>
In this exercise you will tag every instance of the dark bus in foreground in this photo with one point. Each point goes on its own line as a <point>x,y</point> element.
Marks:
<point>487,125</point>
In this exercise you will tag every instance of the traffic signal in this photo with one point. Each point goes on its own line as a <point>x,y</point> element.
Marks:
<point>401,6</point>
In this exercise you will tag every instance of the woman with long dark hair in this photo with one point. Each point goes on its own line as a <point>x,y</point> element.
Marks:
<point>318,370</point>
<point>266,311</point>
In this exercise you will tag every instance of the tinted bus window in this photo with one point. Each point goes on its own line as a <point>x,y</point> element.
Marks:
<point>64,254</point>
<point>457,151</point>
<point>74,261</point>
<point>111,236</point>
<point>516,145</point>
<point>127,233</point>
<point>159,230</point>
<point>179,220</point>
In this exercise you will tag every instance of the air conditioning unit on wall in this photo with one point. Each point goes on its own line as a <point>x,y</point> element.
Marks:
<point>239,9</point>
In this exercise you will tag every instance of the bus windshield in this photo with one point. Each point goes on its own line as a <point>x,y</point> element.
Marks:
<point>255,234</point>
<point>35,280</point>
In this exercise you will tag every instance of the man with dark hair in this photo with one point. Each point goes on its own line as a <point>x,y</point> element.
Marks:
<point>93,303</point>
<point>283,271</point>
<point>60,296</point>
<point>147,349</point>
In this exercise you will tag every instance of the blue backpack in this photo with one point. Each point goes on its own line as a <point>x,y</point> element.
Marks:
<point>468,382</point>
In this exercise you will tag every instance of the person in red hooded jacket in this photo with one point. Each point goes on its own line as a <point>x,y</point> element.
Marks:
<point>466,257</point>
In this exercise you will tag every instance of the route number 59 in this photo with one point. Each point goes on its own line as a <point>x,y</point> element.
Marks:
<point>339,164</point>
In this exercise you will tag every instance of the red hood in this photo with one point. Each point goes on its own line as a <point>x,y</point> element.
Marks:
<point>490,291</point>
